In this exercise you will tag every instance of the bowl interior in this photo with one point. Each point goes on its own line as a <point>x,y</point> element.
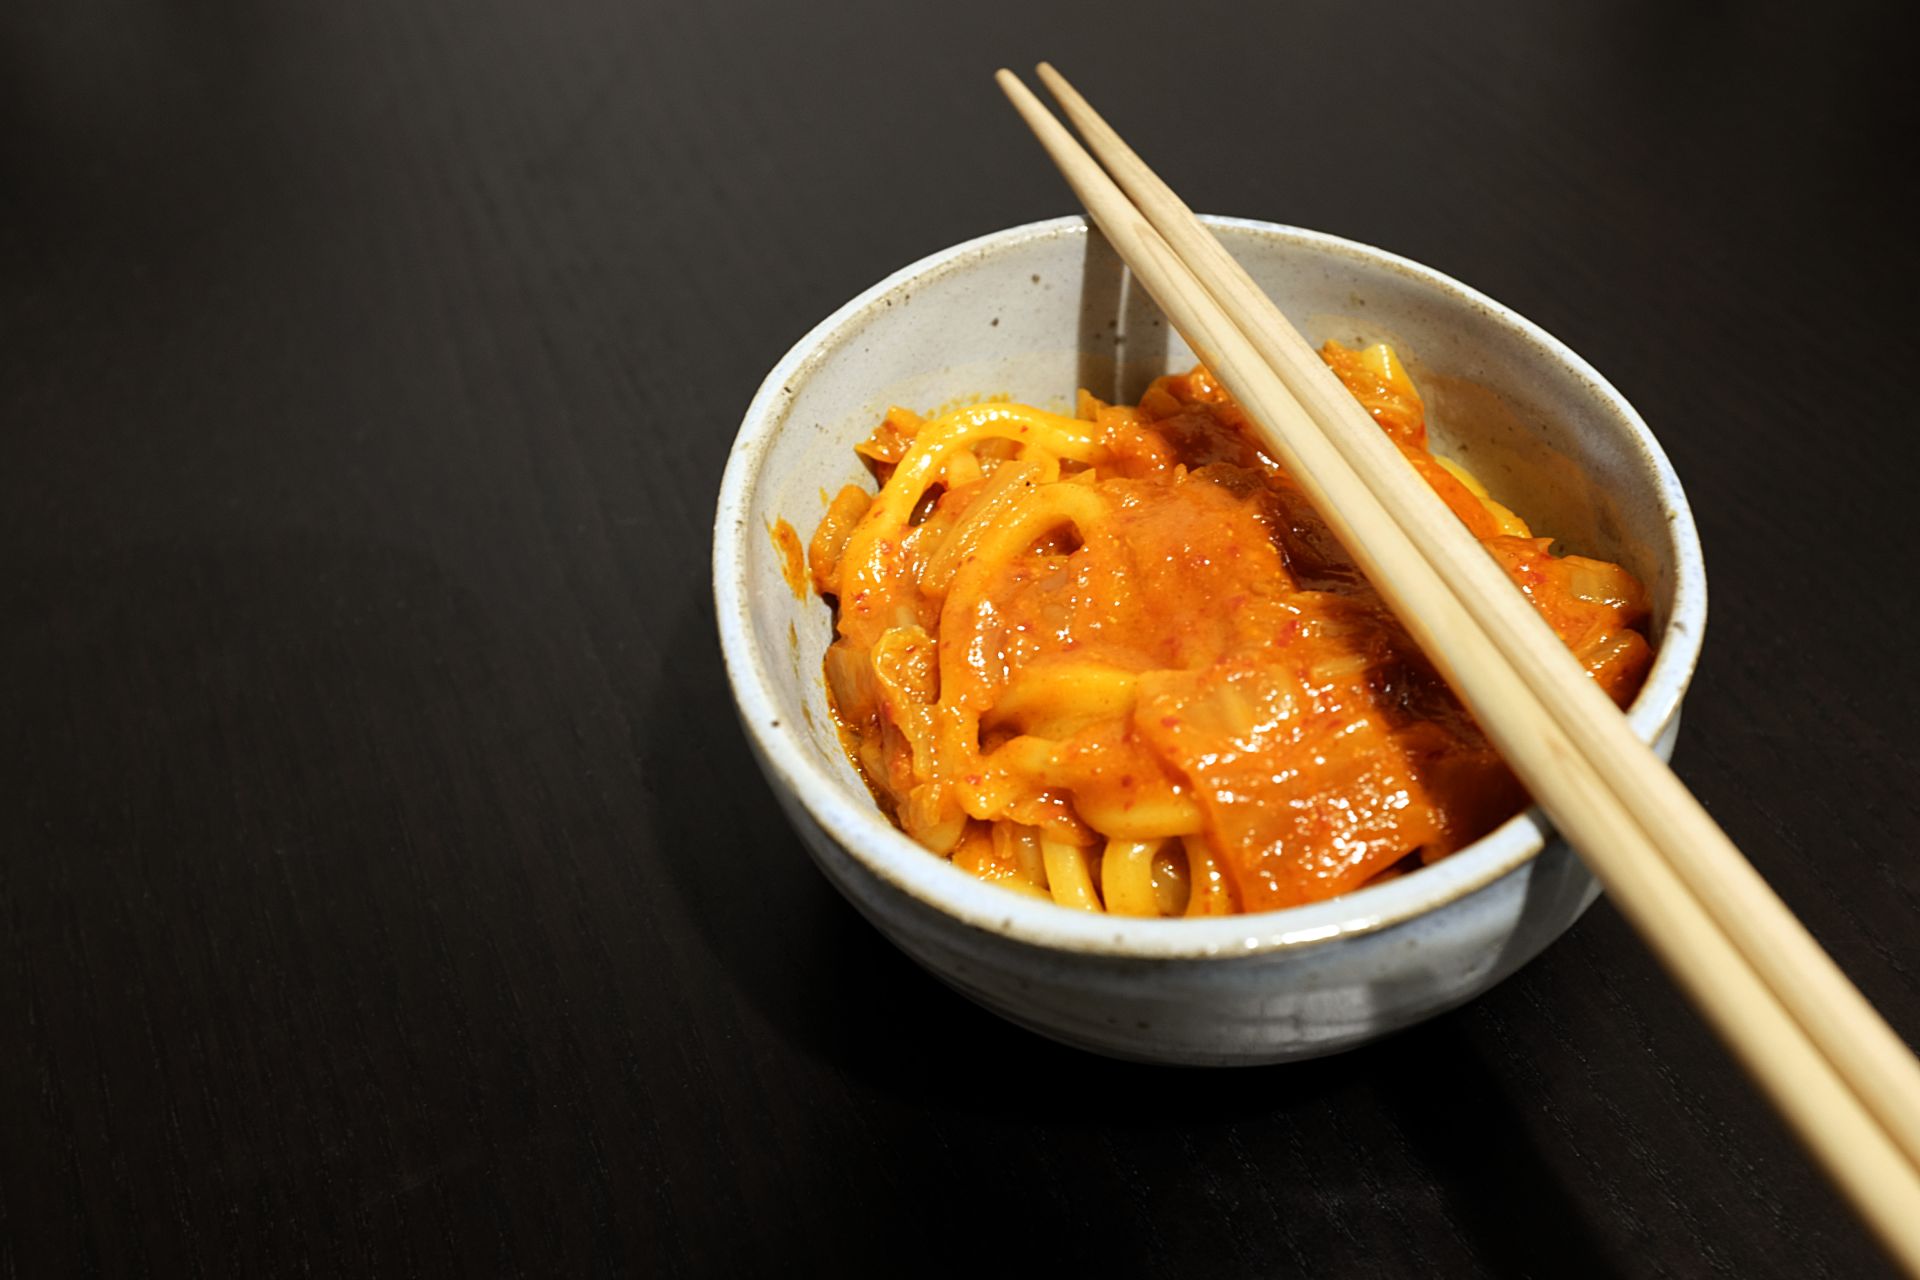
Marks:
<point>1036,312</point>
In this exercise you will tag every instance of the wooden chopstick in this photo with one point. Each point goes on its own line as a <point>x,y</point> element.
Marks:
<point>1845,1136</point>
<point>1849,1030</point>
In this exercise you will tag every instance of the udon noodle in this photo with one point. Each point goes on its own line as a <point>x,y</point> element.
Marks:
<point>1116,660</point>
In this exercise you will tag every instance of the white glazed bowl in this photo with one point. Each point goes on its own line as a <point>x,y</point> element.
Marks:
<point>1034,312</point>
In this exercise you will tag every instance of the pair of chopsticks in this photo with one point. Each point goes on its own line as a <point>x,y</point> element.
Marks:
<point>1830,1064</point>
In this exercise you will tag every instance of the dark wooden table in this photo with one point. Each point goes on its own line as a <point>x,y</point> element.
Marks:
<point>384,884</point>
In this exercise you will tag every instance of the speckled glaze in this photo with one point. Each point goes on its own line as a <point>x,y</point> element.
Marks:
<point>1035,312</point>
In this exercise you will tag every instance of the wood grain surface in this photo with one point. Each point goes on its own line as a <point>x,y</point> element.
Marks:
<point>385,887</point>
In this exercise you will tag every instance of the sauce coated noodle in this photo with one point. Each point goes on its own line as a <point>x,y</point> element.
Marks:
<point>1116,659</point>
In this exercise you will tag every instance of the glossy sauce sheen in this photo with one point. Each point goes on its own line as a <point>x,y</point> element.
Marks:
<point>1186,671</point>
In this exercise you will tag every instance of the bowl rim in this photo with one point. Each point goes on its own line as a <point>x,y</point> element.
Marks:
<point>878,847</point>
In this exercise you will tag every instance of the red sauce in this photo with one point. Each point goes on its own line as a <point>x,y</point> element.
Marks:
<point>1243,672</point>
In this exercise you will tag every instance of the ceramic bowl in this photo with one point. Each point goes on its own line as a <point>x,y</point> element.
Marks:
<point>1034,312</point>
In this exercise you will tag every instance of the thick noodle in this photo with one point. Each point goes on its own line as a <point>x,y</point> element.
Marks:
<point>1116,661</point>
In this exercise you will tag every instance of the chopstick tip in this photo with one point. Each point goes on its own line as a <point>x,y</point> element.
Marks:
<point>1017,92</point>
